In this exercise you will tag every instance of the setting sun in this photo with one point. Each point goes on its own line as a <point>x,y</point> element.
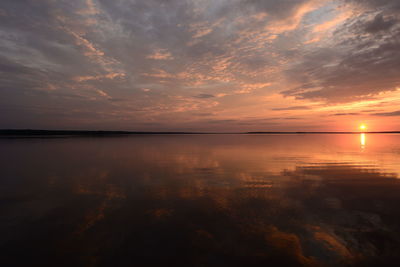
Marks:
<point>363,127</point>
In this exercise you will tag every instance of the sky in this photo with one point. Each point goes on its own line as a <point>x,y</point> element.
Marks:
<point>200,65</point>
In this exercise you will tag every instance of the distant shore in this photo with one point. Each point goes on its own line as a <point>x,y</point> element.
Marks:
<point>46,133</point>
<point>12,132</point>
<point>383,132</point>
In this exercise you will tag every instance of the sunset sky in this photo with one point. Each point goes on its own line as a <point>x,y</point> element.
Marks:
<point>200,65</point>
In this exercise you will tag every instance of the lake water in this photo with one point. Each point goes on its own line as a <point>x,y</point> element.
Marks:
<point>201,200</point>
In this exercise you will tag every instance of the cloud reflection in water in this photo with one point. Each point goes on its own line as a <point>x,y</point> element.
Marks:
<point>201,200</point>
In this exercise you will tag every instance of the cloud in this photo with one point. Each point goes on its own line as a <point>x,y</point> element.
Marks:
<point>380,24</point>
<point>292,118</point>
<point>292,108</point>
<point>285,13</point>
<point>204,96</point>
<point>361,61</point>
<point>158,59</point>
<point>160,54</point>
<point>222,121</point>
<point>205,114</point>
<point>389,114</point>
<point>347,114</point>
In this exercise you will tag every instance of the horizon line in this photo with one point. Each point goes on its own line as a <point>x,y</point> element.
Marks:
<point>42,132</point>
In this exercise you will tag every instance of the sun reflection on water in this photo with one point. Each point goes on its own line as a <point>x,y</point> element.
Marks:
<point>363,140</point>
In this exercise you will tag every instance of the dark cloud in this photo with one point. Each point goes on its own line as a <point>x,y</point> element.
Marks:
<point>292,108</point>
<point>347,114</point>
<point>204,96</point>
<point>205,114</point>
<point>389,114</point>
<point>222,121</point>
<point>388,5</point>
<point>380,24</point>
<point>362,60</point>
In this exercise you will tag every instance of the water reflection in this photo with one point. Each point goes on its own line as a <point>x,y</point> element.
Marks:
<point>200,201</point>
<point>362,140</point>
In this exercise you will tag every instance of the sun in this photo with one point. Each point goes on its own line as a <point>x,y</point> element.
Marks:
<point>363,127</point>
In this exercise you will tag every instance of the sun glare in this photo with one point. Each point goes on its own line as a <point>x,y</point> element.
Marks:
<point>363,127</point>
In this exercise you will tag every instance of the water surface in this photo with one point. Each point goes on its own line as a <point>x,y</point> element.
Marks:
<point>200,200</point>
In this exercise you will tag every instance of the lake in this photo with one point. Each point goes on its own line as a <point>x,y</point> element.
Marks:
<point>201,200</point>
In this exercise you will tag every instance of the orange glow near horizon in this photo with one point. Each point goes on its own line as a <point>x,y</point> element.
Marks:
<point>363,127</point>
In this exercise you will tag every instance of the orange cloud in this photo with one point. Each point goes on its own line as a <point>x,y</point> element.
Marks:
<point>161,54</point>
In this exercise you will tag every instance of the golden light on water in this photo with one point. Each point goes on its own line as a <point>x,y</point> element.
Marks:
<point>362,140</point>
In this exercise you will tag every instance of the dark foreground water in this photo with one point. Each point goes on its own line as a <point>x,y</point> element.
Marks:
<point>201,200</point>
